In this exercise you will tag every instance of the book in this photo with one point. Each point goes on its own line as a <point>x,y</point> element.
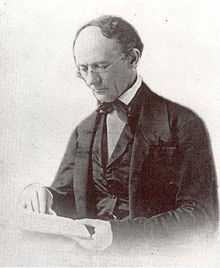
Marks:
<point>51,224</point>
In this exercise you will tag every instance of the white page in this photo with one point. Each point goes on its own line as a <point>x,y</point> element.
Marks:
<point>51,224</point>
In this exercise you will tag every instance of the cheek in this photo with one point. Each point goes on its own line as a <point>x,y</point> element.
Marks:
<point>109,79</point>
<point>110,83</point>
<point>116,82</point>
<point>114,79</point>
<point>121,77</point>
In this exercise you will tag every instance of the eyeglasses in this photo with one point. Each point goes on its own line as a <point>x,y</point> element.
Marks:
<point>82,70</point>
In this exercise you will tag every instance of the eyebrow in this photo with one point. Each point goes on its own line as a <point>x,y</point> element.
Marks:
<point>97,62</point>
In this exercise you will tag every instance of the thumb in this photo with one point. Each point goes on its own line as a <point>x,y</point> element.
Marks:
<point>51,212</point>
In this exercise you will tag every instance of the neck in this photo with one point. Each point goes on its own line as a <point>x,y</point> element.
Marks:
<point>133,80</point>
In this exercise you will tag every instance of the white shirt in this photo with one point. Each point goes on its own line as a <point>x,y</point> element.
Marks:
<point>114,124</point>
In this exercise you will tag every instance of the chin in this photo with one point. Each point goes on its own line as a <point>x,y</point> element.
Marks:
<point>102,98</point>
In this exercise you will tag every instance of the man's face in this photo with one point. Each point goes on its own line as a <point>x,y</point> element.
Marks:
<point>102,64</point>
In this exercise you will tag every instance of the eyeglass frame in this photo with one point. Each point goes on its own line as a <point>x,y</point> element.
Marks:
<point>104,69</point>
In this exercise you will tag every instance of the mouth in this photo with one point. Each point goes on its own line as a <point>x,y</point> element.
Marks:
<point>100,91</point>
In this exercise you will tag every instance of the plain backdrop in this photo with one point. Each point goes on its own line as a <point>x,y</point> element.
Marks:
<point>41,100</point>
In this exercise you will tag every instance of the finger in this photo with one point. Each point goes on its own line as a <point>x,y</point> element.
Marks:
<point>23,200</point>
<point>29,206</point>
<point>51,211</point>
<point>49,202</point>
<point>33,206</point>
<point>35,202</point>
<point>38,201</point>
<point>42,201</point>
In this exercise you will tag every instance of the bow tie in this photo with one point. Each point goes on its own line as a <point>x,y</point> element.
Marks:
<point>117,105</point>
<point>108,107</point>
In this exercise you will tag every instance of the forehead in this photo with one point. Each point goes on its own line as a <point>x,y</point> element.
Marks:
<point>91,46</point>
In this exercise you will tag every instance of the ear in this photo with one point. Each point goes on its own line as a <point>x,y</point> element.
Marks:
<point>134,57</point>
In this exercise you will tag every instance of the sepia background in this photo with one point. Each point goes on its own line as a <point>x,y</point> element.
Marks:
<point>41,100</point>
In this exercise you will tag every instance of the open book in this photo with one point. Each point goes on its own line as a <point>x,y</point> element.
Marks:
<point>51,224</point>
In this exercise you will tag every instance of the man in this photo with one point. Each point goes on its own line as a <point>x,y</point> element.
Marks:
<point>139,169</point>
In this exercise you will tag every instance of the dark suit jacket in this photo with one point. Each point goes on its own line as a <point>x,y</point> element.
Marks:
<point>172,182</point>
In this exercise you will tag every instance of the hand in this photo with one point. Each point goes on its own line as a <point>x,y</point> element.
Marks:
<point>101,239</point>
<point>36,198</point>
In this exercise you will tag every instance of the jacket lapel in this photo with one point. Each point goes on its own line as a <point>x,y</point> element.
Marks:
<point>82,169</point>
<point>152,126</point>
<point>127,134</point>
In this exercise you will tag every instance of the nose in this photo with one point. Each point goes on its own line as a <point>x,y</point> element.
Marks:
<point>93,79</point>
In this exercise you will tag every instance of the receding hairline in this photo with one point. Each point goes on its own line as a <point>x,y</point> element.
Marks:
<point>117,28</point>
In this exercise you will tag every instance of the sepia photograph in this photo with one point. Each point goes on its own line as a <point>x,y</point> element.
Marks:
<point>110,133</point>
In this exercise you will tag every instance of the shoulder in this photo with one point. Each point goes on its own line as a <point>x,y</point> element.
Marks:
<point>174,112</point>
<point>88,123</point>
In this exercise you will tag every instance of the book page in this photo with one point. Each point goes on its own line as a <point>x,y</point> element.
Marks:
<point>51,224</point>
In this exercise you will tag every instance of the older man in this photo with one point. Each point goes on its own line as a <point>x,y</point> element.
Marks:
<point>140,167</point>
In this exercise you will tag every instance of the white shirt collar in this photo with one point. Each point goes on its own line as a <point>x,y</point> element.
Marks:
<point>130,93</point>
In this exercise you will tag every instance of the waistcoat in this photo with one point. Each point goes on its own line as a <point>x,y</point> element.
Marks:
<point>111,181</point>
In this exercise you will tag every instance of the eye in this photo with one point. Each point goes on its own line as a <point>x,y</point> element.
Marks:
<point>101,66</point>
<point>83,68</point>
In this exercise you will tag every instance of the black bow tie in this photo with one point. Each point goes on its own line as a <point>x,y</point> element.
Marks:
<point>108,107</point>
<point>121,109</point>
<point>118,106</point>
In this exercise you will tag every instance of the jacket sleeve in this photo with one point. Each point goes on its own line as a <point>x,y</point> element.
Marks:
<point>62,186</point>
<point>196,201</point>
